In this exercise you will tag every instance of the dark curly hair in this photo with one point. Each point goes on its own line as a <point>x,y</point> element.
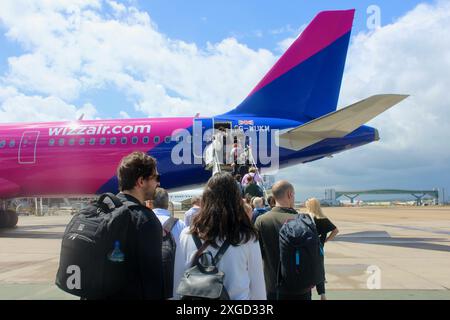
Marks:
<point>222,215</point>
<point>133,166</point>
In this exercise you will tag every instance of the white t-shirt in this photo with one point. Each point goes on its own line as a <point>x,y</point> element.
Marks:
<point>242,265</point>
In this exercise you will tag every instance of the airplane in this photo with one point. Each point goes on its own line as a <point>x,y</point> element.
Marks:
<point>297,98</point>
<point>179,197</point>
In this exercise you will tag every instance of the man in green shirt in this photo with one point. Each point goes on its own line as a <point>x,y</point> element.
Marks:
<point>268,226</point>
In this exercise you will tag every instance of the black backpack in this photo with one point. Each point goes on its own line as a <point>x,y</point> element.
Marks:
<point>204,281</point>
<point>301,256</point>
<point>94,258</point>
<point>169,247</point>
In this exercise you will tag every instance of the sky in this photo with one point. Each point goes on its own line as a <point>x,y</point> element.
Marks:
<point>120,59</point>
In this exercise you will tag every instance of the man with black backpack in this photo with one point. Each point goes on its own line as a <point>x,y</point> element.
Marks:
<point>290,248</point>
<point>112,249</point>
<point>138,179</point>
<point>173,265</point>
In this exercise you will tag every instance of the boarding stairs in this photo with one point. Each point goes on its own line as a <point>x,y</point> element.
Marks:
<point>213,163</point>
<point>259,182</point>
<point>212,159</point>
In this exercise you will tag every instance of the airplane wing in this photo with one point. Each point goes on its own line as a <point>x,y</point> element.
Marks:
<point>339,123</point>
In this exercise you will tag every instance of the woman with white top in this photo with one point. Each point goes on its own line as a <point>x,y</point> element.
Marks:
<point>221,217</point>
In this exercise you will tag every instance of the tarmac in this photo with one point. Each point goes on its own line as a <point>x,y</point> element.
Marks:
<point>381,253</point>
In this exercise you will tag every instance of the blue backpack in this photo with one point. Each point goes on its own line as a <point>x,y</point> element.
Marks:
<point>301,264</point>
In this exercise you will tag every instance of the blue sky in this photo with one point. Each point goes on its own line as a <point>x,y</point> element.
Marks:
<point>254,21</point>
<point>118,59</point>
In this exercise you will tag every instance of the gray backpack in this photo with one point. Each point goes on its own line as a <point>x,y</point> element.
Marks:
<point>169,248</point>
<point>203,280</point>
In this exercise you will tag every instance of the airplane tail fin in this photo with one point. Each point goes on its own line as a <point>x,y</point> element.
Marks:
<point>305,82</point>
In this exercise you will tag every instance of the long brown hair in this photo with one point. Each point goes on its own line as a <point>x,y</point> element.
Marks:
<point>222,215</point>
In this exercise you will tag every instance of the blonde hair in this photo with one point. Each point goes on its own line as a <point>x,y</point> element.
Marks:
<point>314,209</point>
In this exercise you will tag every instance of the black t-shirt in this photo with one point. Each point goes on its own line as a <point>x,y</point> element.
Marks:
<point>144,245</point>
<point>324,226</point>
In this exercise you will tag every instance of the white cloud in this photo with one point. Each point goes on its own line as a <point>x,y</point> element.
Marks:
<point>17,107</point>
<point>124,115</point>
<point>70,51</point>
<point>32,72</point>
<point>284,44</point>
<point>286,29</point>
<point>117,7</point>
<point>88,110</point>
<point>258,33</point>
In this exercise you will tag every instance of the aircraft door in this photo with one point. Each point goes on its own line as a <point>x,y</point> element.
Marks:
<point>27,148</point>
<point>202,135</point>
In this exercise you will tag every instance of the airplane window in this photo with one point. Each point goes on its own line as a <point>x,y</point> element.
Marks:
<point>113,140</point>
<point>82,141</point>
<point>124,140</point>
<point>12,143</point>
<point>102,141</point>
<point>167,139</point>
<point>51,142</point>
<point>145,140</point>
<point>72,141</point>
<point>134,140</point>
<point>61,142</point>
<point>2,143</point>
<point>156,139</point>
<point>92,141</point>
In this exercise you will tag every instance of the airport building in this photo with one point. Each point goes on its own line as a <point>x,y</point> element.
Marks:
<point>418,197</point>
